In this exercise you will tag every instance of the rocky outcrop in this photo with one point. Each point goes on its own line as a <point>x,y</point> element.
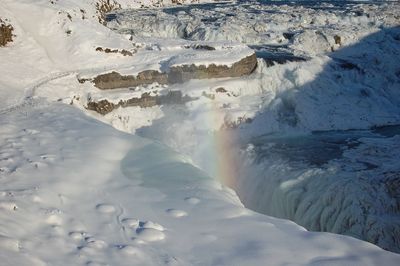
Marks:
<point>115,80</point>
<point>6,34</point>
<point>146,100</point>
<point>176,74</point>
<point>114,51</point>
<point>184,73</point>
<point>105,6</point>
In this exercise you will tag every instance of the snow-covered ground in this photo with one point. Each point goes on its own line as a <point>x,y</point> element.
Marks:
<point>75,191</point>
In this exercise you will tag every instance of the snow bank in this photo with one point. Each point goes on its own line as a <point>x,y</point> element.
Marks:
<point>130,201</point>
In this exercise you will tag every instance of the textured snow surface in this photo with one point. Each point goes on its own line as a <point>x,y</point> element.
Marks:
<point>75,191</point>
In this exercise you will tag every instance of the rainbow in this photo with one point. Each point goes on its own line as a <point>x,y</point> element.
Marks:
<point>225,165</point>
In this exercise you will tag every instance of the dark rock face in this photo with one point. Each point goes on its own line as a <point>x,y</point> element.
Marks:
<point>220,90</point>
<point>184,73</point>
<point>114,51</point>
<point>146,100</point>
<point>338,39</point>
<point>115,80</point>
<point>105,6</point>
<point>102,107</point>
<point>280,60</point>
<point>288,35</point>
<point>5,33</point>
<point>176,74</point>
<point>200,47</point>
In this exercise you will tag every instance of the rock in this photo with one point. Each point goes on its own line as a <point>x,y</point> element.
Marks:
<point>108,51</point>
<point>105,6</point>
<point>115,80</point>
<point>102,107</point>
<point>114,51</point>
<point>176,74</point>
<point>288,35</point>
<point>282,59</point>
<point>126,53</point>
<point>338,40</point>
<point>5,33</point>
<point>146,100</point>
<point>221,90</point>
<point>184,73</point>
<point>200,47</point>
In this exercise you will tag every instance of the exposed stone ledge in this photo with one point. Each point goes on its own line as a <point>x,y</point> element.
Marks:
<point>176,74</point>
<point>6,33</point>
<point>115,80</point>
<point>184,73</point>
<point>146,100</point>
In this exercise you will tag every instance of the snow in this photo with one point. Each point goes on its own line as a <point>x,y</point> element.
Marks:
<point>51,49</point>
<point>131,201</point>
<point>301,86</point>
<point>254,22</point>
<point>76,191</point>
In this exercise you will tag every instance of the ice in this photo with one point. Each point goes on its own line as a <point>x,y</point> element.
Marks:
<point>259,22</point>
<point>347,172</point>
